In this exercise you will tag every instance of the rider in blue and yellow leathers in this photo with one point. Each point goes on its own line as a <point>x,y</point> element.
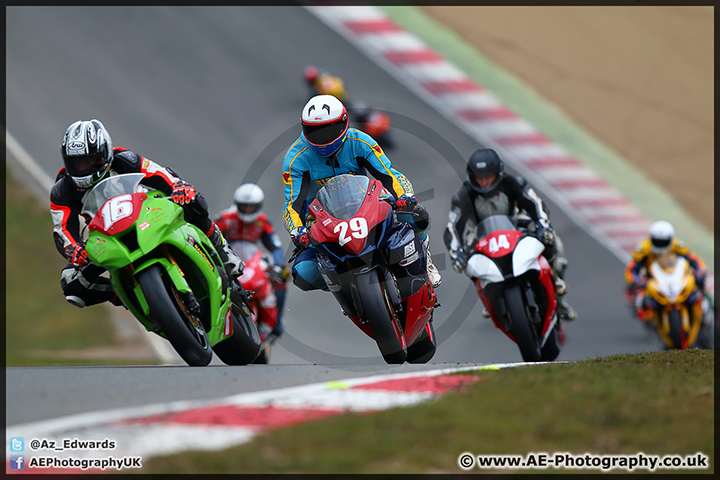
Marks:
<point>326,148</point>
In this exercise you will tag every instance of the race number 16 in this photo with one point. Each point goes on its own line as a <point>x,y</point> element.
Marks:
<point>358,227</point>
<point>117,208</point>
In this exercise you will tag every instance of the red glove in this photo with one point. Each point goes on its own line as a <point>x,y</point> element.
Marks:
<point>300,237</point>
<point>405,202</point>
<point>77,255</point>
<point>183,193</point>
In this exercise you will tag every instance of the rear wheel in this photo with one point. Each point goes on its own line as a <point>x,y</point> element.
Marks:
<point>243,346</point>
<point>677,335</point>
<point>183,330</point>
<point>424,347</point>
<point>551,349</point>
<point>520,325</point>
<point>381,317</point>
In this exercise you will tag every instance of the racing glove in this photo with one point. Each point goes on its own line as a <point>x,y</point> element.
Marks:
<point>183,193</point>
<point>300,237</point>
<point>77,255</point>
<point>405,202</point>
<point>278,273</point>
<point>458,259</point>
<point>545,232</point>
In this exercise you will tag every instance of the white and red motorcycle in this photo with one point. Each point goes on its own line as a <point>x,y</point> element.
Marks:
<point>517,286</point>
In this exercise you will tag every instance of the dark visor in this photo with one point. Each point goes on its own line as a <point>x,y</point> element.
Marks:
<point>248,208</point>
<point>80,166</point>
<point>325,133</point>
<point>661,243</point>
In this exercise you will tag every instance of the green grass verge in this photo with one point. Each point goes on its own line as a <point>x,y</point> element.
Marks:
<point>656,403</point>
<point>38,319</point>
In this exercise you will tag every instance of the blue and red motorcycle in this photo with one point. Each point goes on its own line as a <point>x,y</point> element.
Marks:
<point>375,266</point>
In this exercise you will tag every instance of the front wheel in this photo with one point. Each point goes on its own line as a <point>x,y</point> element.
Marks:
<point>381,316</point>
<point>185,333</point>
<point>520,325</point>
<point>677,335</point>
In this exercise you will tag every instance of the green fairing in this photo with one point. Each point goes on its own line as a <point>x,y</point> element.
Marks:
<point>166,225</point>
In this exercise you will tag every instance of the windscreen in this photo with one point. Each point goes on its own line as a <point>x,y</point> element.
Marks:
<point>494,223</point>
<point>342,196</point>
<point>108,188</point>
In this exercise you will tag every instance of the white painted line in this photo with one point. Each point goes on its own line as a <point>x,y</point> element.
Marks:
<point>396,41</point>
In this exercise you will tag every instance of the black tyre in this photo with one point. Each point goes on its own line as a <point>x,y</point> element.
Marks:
<point>184,331</point>
<point>381,317</point>
<point>676,329</point>
<point>243,346</point>
<point>520,325</point>
<point>551,349</point>
<point>423,349</point>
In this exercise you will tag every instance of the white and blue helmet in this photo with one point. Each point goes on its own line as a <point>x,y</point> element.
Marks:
<point>325,124</point>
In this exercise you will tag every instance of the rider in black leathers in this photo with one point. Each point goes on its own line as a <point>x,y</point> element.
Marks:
<point>490,191</point>
<point>89,157</point>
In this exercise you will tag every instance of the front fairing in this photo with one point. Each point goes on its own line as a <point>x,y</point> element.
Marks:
<point>150,230</point>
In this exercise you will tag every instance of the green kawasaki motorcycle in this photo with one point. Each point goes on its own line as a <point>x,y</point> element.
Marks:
<point>168,273</point>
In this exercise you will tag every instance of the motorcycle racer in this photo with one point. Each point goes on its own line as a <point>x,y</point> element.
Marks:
<point>661,238</point>
<point>490,191</point>
<point>245,221</point>
<point>328,147</point>
<point>89,157</point>
<point>371,120</point>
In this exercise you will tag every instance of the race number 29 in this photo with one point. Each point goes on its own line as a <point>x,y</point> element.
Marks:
<point>116,209</point>
<point>358,228</point>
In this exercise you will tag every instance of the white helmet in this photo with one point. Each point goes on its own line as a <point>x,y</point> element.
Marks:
<point>661,236</point>
<point>248,200</point>
<point>87,151</point>
<point>325,124</point>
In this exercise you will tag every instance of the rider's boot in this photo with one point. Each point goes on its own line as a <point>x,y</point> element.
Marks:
<point>432,270</point>
<point>565,311</point>
<point>234,265</point>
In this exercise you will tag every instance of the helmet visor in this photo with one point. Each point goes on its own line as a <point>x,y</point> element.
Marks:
<point>661,243</point>
<point>325,134</point>
<point>248,208</point>
<point>82,165</point>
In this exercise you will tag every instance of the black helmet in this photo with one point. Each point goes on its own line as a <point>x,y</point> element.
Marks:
<point>484,161</point>
<point>87,152</point>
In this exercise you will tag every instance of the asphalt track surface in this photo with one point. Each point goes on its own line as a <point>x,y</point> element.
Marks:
<point>216,92</point>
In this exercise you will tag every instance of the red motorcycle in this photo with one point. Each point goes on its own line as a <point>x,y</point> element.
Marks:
<point>517,286</point>
<point>375,266</point>
<point>262,300</point>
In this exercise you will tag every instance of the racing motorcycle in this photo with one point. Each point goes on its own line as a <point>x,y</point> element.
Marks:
<point>256,281</point>
<point>167,272</point>
<point>375,266</point>
<point>517,286</point>
<point>675,302</point>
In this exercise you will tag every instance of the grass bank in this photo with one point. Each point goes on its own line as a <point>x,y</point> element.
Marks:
<point>657,403</point>
<point>41,327</point>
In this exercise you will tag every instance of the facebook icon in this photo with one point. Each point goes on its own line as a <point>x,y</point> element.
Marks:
<point>17,462</point>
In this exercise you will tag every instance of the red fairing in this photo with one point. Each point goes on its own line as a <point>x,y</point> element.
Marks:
<point>118,214</point>
<point>499,243</point>
<point>346,232</point>
<point>255,278</point>
<point>547,280</point>
<point>417,313</point>
<point>488,306</point>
